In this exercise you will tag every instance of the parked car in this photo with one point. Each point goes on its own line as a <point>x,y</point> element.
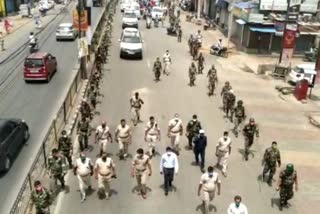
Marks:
<point>156,11</point>
<point>39,66</point>
<point>129,19</point>
<point>14,133</point>
<point>124,4</point>
<point>66,31</point>
<point>302,71</point>
<point>131,43</point>
<point>136,9</point>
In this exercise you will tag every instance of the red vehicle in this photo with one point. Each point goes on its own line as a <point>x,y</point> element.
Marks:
<point>39,66</point>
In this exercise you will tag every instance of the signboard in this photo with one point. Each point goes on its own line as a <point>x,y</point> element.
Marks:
<point>83,47</point>
<point>309,6</point>
<point>255,18</point>
<point>83,20</point>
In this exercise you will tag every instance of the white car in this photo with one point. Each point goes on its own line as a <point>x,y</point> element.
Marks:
<point>125,4</point>
<point>302,71</point>
<point>45,5</point>
<point>66,31</point>
<point>129,19</point>
<point>136,9</point>
<point>156,11</point>
<point>131,43</point>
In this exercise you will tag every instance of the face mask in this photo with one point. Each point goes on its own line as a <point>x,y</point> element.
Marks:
<point>225,138</point>
<point>194,120</point>
<point>237,204</point>
<point>274,146</point>
<point>210,174</point>
<point>83,159</point>
<point>65,136</point>
<point>103,126</point>
<point>104,158</point>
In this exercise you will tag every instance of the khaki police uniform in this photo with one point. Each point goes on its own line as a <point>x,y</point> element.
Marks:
<point>166,62</point>
<point>135,110</point>
<point>175,126</point>
<point>152,135</point>
<point>84,174</point>
<point>105,173</point>
<point>223,152</point>
<point>208,188</point>
<point>123,138</point>
<point>103,136</point>
<point>141,171</point>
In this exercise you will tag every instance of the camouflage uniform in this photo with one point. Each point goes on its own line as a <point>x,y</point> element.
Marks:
<point>193,128</point>
<point>286,186</point>
<point>92,95</point>
<point>239,115</point>
<point>83,131</point>
<point>85,110</point>
<point>270,159</point>
<point>41,201</point>
<point>157,67</point>
<point>230,102</point>
<point>65,146</point>
<point>200,64</point>
<point>192,75</point>
<point>249,130</point>
<point>179,34</point>
<point>58,168</point>
<point>224,94</point>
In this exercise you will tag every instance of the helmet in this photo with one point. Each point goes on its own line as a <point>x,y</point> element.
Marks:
<point>251,120</point>
<point>231,91</point>
<point>240,102</point>
<point>290,168</point>
<point>227,83</point>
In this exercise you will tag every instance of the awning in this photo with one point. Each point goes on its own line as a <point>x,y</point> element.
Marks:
<point>222,4</point>
<point>246,5</point>
<point>263,30</point>
<point>240,22</point>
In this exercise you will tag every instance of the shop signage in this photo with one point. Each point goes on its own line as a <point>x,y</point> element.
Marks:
<point>83,20</point>
<point>309,6</point>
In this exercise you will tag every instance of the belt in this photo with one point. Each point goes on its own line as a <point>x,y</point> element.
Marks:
<point>152,134</point>
<point>222,151</point>
<point>124,136</point>
<point>83,130</point>
<point>105,174</point>
<point>175,132</point>
<point>103,138</point>
<point>141,170</point>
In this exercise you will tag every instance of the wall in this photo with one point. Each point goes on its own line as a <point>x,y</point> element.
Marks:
<point>2,8</point>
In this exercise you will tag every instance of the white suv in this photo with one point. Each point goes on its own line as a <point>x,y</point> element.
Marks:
<point>129,19</point>
<point>131,43</point>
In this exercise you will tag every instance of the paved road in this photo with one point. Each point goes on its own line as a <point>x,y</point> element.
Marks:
<point>36,103</point>
<point>163,99</point>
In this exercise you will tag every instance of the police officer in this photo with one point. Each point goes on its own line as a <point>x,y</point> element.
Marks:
<point>249,131</point>
<point>166,63</point>
<point>136,103</point>
<point>141,169</point>
<point>179,34</point>
<point>152,135</point>
<point>200,144</point>
<point>192,74</point>
<point>92,95</point>
<point>175,130</point>
<point>57,169</point>
<point>270,159</point>
<point>104,172</point>
<point>238,115</point>
<point>223,151</point>
<point>103,136</point>
<point>207,187</point>
<point>212,80</point>
<point>212,70</point>
<point>41,198</point>
<point>123,137</point>
<point>201,62</point>
<point>85,109</point>
<point>190,41</point>
<point>157,67</point>
<point>65,146</point>
<point>83,131</point>
<point>230,102</point>
<point>227,87</point>
<point>195,47</point>
<point>288,177</point>
<point>192,129</point>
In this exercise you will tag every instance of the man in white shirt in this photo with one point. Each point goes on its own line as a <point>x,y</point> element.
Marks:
<point>141,169</point>
<point>83,169</point>
<point>223,150</point>
<point>237,207</point>
<point>103,136</point>
<point>166,62</point>
<point>123,137</point>
<point>169,166</point>
<point>104,172</point>
<point>135,105</point>
<point>175,130</point>
<point>207,187</point>
<point>152,135</point>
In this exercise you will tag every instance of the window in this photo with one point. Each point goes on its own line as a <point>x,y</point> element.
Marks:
<point>298,70</point>
<point>131,39</point>
<point>6,130</point>
<point>33,63</point>
<point>130,15</point>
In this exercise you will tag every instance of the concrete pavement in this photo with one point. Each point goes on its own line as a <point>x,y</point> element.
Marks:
<point>278,120</point>
<point>36,103</point>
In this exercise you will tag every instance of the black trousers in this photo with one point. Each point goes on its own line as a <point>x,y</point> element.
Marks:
<point>168,174</point>
<point>190,139</point>
<point>200,153</point>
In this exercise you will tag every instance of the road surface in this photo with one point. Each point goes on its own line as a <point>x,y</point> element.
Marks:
<point>37,103</point>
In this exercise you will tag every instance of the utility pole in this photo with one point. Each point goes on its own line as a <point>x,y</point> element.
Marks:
<point>285,28</point>
<point>83,62</point>
<point>199,9</point>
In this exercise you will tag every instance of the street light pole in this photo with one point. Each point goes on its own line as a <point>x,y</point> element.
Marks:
<point>83,66</point>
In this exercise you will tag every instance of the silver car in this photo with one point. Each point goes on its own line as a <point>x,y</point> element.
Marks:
<point>66,31</point>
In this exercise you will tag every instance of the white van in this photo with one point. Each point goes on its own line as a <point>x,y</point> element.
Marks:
<point>302,71</point>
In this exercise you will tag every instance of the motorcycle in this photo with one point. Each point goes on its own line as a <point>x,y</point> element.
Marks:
<point>148,23</point>
<point>33,47</point>
<point>172,31</point>
<point>209,25</point>
<point>223,52</point>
